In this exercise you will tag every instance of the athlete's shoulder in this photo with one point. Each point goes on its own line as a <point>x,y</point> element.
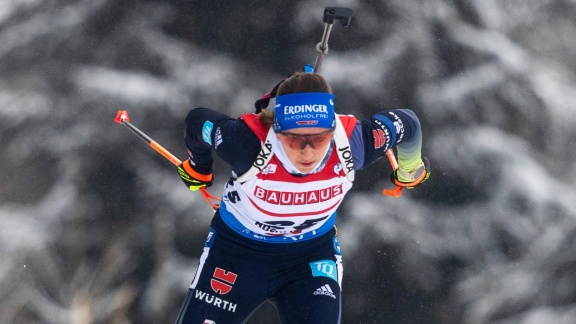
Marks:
<point>254,123</point>
<point>349,123</point>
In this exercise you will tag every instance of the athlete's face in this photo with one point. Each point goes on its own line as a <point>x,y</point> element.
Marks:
<point>305,147</point>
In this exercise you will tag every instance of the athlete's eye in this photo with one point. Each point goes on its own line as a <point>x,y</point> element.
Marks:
<point>299,141</point>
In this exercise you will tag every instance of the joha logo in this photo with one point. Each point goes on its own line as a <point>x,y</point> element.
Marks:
<point>326,291</point>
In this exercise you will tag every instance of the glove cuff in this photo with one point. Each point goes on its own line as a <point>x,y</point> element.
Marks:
<point>405,176</point>
<point>194,174</point>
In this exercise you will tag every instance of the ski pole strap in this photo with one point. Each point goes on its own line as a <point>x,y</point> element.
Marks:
<point>209,198</point>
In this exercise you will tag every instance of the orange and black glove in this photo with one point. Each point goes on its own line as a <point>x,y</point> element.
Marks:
<point>410,179</point>
<point>193,179</point>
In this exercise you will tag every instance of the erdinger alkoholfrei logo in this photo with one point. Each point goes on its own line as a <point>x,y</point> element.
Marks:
<point>223,281</point>
<point>304,110</point>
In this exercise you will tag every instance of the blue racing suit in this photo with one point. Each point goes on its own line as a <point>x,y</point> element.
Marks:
<point>274,236</point>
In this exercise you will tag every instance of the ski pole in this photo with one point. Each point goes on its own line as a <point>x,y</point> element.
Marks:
<point>123,118</point>
<point>344,15</point>
<point>396,192</point>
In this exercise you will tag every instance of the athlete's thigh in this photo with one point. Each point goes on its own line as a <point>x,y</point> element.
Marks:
<point>225,289</point>
<point>313,300</point>
<point>313,290</point>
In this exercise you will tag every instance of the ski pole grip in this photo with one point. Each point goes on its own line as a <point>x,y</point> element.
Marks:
<point>392,159</point>
<point>397,191</point>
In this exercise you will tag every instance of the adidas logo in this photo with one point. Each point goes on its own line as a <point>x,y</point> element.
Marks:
<point>326,291</point>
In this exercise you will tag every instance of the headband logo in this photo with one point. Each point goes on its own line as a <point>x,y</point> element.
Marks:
<point>306,122</point>
<point>290,110</point>
<point>311,109</point>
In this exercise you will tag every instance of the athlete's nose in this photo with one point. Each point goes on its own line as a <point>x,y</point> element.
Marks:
<point>307,152</point>
<point>305,143</point>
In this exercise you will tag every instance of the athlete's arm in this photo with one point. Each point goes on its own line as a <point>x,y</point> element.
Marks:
<point>231,139</point>
<point>398,128</point>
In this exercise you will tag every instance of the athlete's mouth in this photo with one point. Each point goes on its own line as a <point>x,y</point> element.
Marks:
<point>307,164</point>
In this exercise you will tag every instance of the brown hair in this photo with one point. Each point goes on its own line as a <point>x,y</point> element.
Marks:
<point>298,82</point>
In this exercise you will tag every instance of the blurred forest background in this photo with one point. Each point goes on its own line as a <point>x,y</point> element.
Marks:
<point>95,227</point>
